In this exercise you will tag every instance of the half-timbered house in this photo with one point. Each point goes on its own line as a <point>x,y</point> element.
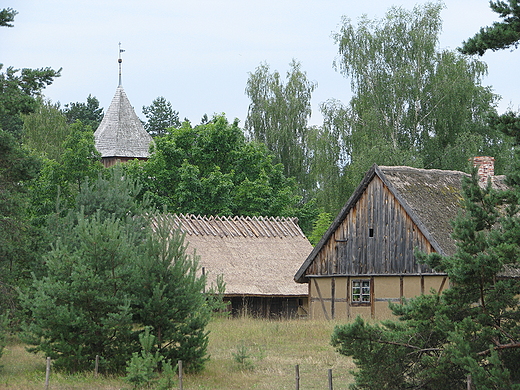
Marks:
<point>367,256</point>
<point>256,257</point>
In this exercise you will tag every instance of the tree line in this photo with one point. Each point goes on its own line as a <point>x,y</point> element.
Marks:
<point>74,237</point>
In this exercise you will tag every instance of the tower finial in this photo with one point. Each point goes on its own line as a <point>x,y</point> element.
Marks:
<point>120,60</point>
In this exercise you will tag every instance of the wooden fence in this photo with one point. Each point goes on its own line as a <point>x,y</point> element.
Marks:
<point>297,375</point>
<point>179,364</point>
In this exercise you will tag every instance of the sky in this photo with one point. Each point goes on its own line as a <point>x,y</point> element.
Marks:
<point>198,54</point>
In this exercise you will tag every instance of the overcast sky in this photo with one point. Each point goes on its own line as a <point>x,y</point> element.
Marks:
<point>198,53</point>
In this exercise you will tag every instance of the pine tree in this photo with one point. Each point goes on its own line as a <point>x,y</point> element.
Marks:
<point>169,297</point>
<point>470,332</point>
<point>110,273</point>
<point>82,307</point>
<point>500,35</point>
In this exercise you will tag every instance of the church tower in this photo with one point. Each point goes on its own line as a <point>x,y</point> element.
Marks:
<point>121,136</point>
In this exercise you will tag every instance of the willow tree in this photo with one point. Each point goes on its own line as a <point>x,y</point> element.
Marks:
<point>413,103</point>
<point>279,113</point>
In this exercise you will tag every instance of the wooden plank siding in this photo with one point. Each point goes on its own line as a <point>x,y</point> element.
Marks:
<point>376,237</point>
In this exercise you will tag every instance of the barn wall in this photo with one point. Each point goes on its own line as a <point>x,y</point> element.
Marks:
<point>267,307</point>
<point>330,298</point>
<point>377,236</point>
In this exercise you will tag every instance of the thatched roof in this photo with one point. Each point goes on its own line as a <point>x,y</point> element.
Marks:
<point>257,256</point>
<point>121,133</point>
<point>430,196</point>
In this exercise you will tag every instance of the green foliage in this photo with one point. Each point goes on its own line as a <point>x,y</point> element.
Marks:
<point>278,116</point>
<point>246,355</point>
<point>44,130</point>
<point>501,35</point>
<point>509,124</point>
<point>161,116</point>
<point>142,367</point>
<point>243,357</point>
<point>470,330</point>
<point>328,152</point>
<point>211,170</point>
<point>167,379</point>
<point>80,158</point>
<point>169,297</point>
<point>320,227</point>
<point>107,275</point>
<point>17,169</point>
<point>413,104</point>
<point>4,321</point>
<point>7,17</point>
<point>82,307</point>
<point>215,298</point>
<point>18,92</point>
<point>112,194</point>
<point>56,187</point>
<point>89,113</point>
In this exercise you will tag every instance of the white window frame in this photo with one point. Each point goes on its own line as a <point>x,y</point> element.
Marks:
<point>361,290</point>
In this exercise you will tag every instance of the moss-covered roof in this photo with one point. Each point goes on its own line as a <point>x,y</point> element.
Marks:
<point>434,196</point>
<point>431,197</point>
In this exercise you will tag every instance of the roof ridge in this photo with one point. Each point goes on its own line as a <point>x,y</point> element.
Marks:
<point>238,226</point>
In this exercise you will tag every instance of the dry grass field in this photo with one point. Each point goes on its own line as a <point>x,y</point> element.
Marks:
<point>245,354</point>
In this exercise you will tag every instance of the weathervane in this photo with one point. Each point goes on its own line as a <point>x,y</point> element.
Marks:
<point>120,60</point>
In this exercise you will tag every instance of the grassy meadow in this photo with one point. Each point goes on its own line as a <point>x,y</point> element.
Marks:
<point>245,354</point>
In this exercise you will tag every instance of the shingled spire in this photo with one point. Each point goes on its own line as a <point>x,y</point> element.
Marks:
<point>121,136</point>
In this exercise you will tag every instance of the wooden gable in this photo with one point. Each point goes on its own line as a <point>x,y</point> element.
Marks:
<point>377,236</point>
<point>376,233</point>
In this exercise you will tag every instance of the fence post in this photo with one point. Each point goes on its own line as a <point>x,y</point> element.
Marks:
<point>96,366</point>
<point>297,377</point>
<point>330,378</point>
<point>47,373</point>
<point>180,374</point>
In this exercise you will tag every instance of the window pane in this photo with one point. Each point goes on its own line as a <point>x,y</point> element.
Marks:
<point>361,291</point>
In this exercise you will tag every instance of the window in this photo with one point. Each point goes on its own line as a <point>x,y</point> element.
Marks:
<point>361,292</point>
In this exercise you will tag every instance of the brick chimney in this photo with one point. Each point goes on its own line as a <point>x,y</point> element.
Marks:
<point>486,167</point>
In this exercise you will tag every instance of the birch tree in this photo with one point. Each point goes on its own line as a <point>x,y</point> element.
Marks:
<point>413,103</point>
<point>279,113</point>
